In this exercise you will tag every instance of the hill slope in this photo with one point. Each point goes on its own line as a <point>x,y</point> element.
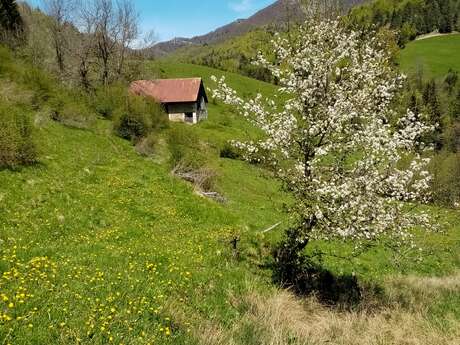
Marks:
<point>435,55</point>
<point>101,245</point>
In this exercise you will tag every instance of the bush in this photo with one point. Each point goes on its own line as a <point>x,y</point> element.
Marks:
<point>66,110</point>
<point>188,159</point>
<point>230,151</point>
<point>184,147</point>
<point>43,85</point>
<point>451,137</point>
<point>17,146</point>
<point>305,275</point>
<point>138,118</point>
<point>146,146</point>
<point>108,100</point>
<point>445,168</point>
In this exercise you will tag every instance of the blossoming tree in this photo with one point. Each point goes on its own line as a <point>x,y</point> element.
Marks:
<point>332,138</point>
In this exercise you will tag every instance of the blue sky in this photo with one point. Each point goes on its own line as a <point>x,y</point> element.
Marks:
<point>187,18</point>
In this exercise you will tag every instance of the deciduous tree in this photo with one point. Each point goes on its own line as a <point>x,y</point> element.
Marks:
<point>332,141</point>
<point>60,12</point>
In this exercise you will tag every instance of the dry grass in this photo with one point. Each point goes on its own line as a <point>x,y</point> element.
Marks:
<point>10,92</point>
<point>146,146</point>
<point>282,319</point>
<point>432,284</point>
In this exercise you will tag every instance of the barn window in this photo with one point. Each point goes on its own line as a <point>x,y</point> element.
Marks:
<point>189,115</point>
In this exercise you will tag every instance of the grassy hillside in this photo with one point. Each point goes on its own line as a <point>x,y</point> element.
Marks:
<point>434,55</point>
<point>100,245</point>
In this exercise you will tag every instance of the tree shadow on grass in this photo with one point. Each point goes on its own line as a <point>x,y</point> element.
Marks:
<point>306,278</point>
<point>18,168</point>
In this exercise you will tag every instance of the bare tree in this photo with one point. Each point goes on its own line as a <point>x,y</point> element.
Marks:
<point>60,12</point>
<point>101,33</point>
<point>84,47</point>
<point>144,48</point>
<point>149,39</point>
<point>35,47</point>
<point>107,34</point>
<point>127,20</point>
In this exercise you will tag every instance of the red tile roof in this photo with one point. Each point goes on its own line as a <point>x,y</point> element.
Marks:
<point>168,90</point>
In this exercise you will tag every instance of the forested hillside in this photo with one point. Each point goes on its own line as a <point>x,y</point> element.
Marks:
<point>235,55</point>
<point>409,17</point>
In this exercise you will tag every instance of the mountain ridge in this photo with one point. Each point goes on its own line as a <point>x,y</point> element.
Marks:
<point>281,12</point>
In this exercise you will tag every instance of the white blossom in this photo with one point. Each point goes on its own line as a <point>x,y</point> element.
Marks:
<point>332,142</point>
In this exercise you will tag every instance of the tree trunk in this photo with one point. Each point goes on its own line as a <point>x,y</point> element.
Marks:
<point>59,56</point>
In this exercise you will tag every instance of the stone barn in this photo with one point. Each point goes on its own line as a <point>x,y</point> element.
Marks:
<point>184,100</point>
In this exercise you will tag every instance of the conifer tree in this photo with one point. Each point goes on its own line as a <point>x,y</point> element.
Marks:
<point>10,19</point>
<point>456,106</point>
<point>451,80</point>
<point>11,24</point>
<point>433,109</point>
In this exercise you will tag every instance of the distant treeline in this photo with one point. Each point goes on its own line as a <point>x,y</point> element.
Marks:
<point>410,17</point>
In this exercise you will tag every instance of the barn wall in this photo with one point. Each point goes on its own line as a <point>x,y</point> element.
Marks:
<point>177,112</point>
<point>202,110</point>
<point>180,117</point>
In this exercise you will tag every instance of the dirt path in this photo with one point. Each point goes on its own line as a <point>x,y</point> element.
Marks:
<point>434,34</point>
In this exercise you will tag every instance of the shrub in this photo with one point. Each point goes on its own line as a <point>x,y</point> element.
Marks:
<point>184,147</point>
<point>138,118</point>
<point>17,146</point>
<point>108,100</point>
<point>43,85</point>
<point>188,159</point>
<point>230,151</point>
<point>451,137</point>
<point>146,146</point>
<point>66,110</point>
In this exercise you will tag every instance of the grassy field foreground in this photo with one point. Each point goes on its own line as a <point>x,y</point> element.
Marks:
<point>99,245</point>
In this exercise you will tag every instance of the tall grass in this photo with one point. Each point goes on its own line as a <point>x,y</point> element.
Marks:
<point>280,318</point>
<point>17,146</point>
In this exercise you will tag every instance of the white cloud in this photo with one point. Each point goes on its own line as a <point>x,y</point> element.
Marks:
<point>241,6</point>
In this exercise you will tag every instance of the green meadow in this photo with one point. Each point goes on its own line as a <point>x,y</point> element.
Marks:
<point>434,56</point>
